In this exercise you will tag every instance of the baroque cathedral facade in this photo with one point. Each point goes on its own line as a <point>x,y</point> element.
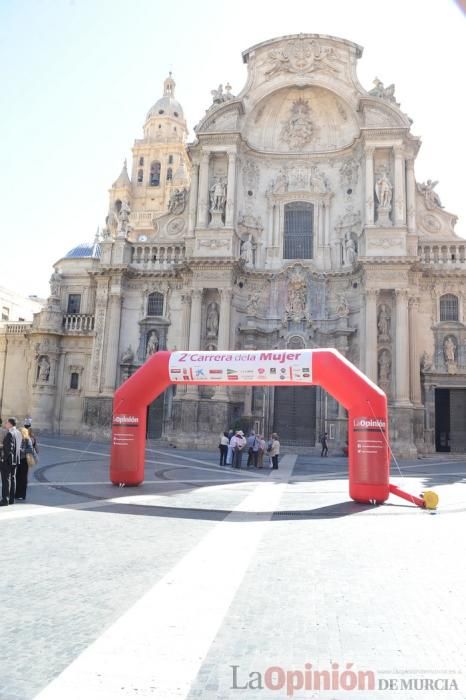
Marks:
<point>293,220</point>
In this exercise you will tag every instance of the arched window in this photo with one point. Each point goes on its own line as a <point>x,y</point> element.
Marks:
<point>155,304</point>
<point>141,161</point>
<point>448,307</point>
<point>154,179</point>
<point>140,175</point>
<point>169,174</point>
<point>297,232</point>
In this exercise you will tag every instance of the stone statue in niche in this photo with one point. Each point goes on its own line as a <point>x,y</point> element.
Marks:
<point>342,308</point>
<point>218,196</point>
<point>449,350</point>
<point>384,369</point>
<point>43,369</point>
<point>350,250</point>
<point>280,184</point>
<point>123,218</point>
<point>298,129</point>
<point>431,198</point>
<point>383,323</point>
<point>296,307</point>
<point>212,320</point>
<point>385,93</point>
<point>127,356</point>
<point>383,190</point>
<point>247,252</point>
<point>177,202</point>
<point>152,344</point>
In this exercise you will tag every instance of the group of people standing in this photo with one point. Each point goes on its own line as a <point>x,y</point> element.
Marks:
<point>233,444</point>
<point>18,452</point>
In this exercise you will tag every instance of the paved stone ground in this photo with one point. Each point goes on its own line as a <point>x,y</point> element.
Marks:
<point>159,591</point>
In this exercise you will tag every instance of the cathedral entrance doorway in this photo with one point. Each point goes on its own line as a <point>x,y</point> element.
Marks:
<point>450,424</point>
<point>294,415</point>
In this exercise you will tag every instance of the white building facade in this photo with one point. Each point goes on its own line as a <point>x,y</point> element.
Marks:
<point>293,220</point>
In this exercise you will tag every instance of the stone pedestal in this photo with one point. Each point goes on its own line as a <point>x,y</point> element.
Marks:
<point>383,216</point>
<point>216,220</point>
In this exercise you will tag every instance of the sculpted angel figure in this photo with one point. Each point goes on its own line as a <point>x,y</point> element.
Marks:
<point>383,190</point>
<point>431,198</point>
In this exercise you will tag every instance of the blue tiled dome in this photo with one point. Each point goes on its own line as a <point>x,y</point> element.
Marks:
<point>85,250</point>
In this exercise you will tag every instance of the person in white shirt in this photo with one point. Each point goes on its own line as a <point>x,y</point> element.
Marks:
<point>223,447</point>
<point>238,442</point>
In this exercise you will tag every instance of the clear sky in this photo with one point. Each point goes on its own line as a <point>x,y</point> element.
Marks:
<point>80,75</point>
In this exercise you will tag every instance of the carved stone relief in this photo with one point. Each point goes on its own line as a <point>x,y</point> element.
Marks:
<point>302,56</point>
<point>298,129</point>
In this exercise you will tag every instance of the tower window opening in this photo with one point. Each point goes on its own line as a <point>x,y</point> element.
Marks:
<point>154,178</point>
<point>169,174</point>
<point>141,161</point>
<point>140,175</point>
<point>170,160</point>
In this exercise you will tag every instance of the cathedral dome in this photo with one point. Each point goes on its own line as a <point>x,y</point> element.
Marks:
<point>84,250</point>
<point>167,106</point>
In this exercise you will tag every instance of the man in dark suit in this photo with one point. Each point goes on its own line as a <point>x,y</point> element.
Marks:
<point>11,459</point>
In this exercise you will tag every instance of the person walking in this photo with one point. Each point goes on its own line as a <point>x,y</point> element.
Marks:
<point>274,450</point>
<point>223,447</point>
<point>11,459</point>
<point>23,466</point>
<point>323,442</point>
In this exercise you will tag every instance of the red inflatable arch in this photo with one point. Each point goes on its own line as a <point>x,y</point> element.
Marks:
<point>368,450</point>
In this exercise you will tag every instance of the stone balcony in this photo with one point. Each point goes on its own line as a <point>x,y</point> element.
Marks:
<point>157,257</point>
<point>78,323</point>
<point>443,253</point>
<point>17,328</point>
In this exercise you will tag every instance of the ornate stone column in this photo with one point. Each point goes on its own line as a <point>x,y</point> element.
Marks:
<point>411,195</point>
<point>193,199</point>
<point>414,368</point>
<point>369,186</point>
<point>203,191</point>
<point>231,188</point>
<point>224,334</point>
<point>95,379</point>
<point>224,323</point>
<point>184,343</point>
<point>399,188</point>
<point>113,338</point>
<point>401,347</point>
<point>194,334</point>
<point>371,334</point>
